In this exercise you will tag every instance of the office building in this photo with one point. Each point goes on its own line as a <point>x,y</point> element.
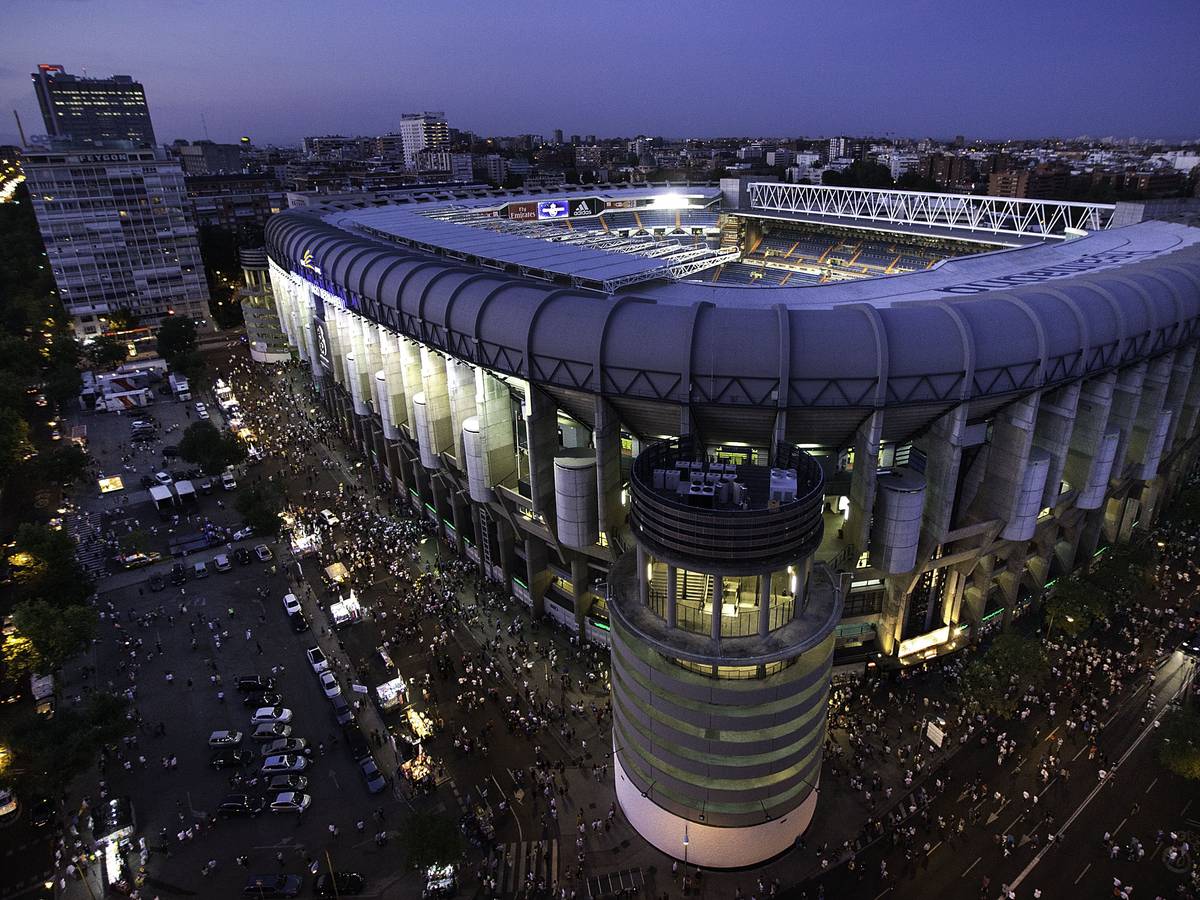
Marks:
<point>208,157</point>
<point>89,110</point>
<point>423,131</point>
<point>118,233</point>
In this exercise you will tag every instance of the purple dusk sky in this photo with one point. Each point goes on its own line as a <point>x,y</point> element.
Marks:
<point>280,69</point>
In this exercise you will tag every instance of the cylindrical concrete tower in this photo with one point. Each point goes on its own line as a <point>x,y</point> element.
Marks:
<point>722,641</point>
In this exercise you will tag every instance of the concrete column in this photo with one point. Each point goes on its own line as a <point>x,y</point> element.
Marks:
<point>764,604</point>
<point>1055,422</point>
<point>1127,394</point>
<point>460,382</point>
<point>862,479</point>
<point>575,499</point>
<point>1150,427</point>
<point>1091,422</point>
<point>891,622</point>
<point>1008,458</point>
<point>579,582</point>
<point>541,432</point>
<point>410,379</point>
<point>506,547</point>
<point>643,562</point>
<point>1190,412</point>
<point>436,435</point>
<point>487,438</point>
<point>607,438</point>
<point>942,447</point>
<point>338,341</point>
<point>461,519</point>
<point>718,594</point>
<point>1182,370</point>
<point>538,576</point>
<point>672,595</point>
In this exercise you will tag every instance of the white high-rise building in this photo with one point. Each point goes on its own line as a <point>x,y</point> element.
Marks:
<point>118,233</point>
<point>423,131</point>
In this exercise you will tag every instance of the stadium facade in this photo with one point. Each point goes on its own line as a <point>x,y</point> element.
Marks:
<point>745,435</point>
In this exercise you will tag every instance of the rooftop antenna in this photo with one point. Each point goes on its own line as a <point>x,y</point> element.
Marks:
<point>20,130</point>
<point>203,125</point>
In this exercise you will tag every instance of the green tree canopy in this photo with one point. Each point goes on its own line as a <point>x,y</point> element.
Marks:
<point>176,337</point>
<point>1179,742</point>
<point>1073,604</point>
<point>14,441</point>
<point>65,464</point>
<point>56,633</point>
<point>48,754</point>
<point>206,446</point>
<point>429,840</point>
<point>260,506</point>
<point>108,351</point>
<point>44,567</point>
<point>996,680</point>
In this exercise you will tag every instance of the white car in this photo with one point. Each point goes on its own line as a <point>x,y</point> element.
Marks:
<point>221,563</point>
<point>329,684</point>
<point>242,533</point>
<point>291,605</point>
<point>263,552</point>
<point>163,478</point>
<point>284,764</point>
<point>290,802</point>
<point>224,739</point>
<point>329,518</point>
<point>201,407</point>
<point>228,482</point>
<point>202,414</point>
<point>271,715</point>
<point>316,659</point>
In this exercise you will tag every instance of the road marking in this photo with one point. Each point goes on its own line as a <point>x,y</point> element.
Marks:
<point>1047,787</point>
<point>1186,807</point>
<point>1013,823</point>
<point>970,867</point>
<point>1054,732</point>
<point>934,847</point>
<point>1152,784</point>
<point>994,816</point>
<point>886,890</point>
<point>1079,877</point>
<point>1119,827</point>
<point>1082,750</point>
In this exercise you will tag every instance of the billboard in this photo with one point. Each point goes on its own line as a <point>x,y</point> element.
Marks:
<point>522,212</point>
<point>552,209</point>
<point>584,206</point>
<point>321,336</point>
<point>620,204</point>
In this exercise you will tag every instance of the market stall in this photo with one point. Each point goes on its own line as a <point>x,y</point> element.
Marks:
<point>346,611</point>
<point>392,694</point>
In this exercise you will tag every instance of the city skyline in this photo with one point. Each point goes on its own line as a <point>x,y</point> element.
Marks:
<point>763,73</point>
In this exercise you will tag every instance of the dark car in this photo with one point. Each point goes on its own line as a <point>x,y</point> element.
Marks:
<point>229,758</point>
<point>372,776</point>
<point>148,482</point>
<point>299,623</point>
<point>171,451</point>
<point>240,805</point>
<point>341,709</point>
<point>157,582</point>
<point>247,683</point>
<point>259,699</point>
<point>264,886</point>
<point>242,556</point>
<point>179,574</point>
<point>339,883</point>
<point>41,812</point>
<point>356,744</point>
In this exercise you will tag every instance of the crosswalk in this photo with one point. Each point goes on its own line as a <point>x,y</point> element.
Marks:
<point>92,557</point>
<point>521,866</point>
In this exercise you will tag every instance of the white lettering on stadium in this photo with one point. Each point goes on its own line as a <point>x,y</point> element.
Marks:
<point>1046,273</point>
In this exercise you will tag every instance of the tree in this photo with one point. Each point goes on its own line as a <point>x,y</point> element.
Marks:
<point>108,351</point>
<point>209,448</point>
<point>260,506</point>
<point>1179,742</point>
<point>66,464</point>
<point>44,567</point>
<point>176,337</point>
<point>429,840</point>
<point>49,753</point>
<point>996,680</point>
<point>63,384</point>
<point>14,441</point>
<point>122,319</point>
<point>1073,605</point>
<point>55,633</point>
<point>190,365</point>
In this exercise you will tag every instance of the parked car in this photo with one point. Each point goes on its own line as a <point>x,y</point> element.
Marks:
<point>299,623</point>
<point>163,478</point>
<point>284,764</point>
<point>316,659</point>
<point>284,746</point>
<point>339,884</point>
<point>341,709</point>
<point>157,582</point>
<point>329,518</point>
<point>200,407</point>
<point>41,812</point>
<point>240,805</point>
<point>242,533</point>
<point>271,715</point>
<point>295,783</point>
<point>263,552</point>
<point>248,683</point>
<point>179,574</point>
<point>200,570</point>
<point>206,486</point>
<point>228,481</point>
<point>356,743</point>
<point>263,887</point>
<point>373,777</point>
<point>224,738</point>
<point>229,758</point>
<point>329,684</point>
<point>290,801</point>
<point>259,699</point>
<point>242,556</point>
<point>171,451</point>
<point>291,604</point>
<point>271,731</point>
<point>221,563</point>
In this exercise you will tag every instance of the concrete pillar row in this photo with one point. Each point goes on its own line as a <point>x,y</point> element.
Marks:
<point>863,479</point>
<point>1150,426</point>
<point>1005,481</point>
<point>1182,375</point>
<point>1127,394</point>
<point>541,433</point>
<point>1191,409</point>
<point>460,385</point>
<point>1052,434</point>
<point>410,378</point>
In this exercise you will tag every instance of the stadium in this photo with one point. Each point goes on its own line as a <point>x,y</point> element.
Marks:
<point>754,436</point>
